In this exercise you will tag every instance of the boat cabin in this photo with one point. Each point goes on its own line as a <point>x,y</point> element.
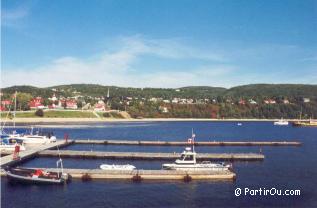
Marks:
<point>187,157</point>
<point>9,140</point>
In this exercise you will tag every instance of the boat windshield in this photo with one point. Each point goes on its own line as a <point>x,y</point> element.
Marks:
<point>187,157</point>
<point>47,134</point>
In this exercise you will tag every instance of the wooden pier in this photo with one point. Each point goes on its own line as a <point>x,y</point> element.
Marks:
<point>149,156</point>
<point>139,175</point>
<point>5,152</point>
<point>27,154</point>
<point>181,143</point>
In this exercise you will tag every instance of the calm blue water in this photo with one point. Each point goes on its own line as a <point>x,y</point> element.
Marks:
<point>283,168</point>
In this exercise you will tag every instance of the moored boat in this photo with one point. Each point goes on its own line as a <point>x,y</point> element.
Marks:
<point>28,175</point>
<point>37,176</point>
<point>9,144</point>
<point>187,161</point>
<point>310,122</point>
<point>38,138</point>
<point>117,167</point>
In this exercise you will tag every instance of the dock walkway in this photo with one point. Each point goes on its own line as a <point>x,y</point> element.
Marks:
<point>149,156</point>
<point>181,143</point>
<point>139,175</point>
<point>27,154</point>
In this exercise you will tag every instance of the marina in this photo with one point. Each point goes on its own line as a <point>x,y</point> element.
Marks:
<point>158,104</point>
<point>82,161</point>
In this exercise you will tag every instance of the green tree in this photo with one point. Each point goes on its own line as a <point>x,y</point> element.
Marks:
<point>23,100</point>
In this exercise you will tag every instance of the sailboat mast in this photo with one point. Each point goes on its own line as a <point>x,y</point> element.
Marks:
<point>15,108</point>
<point>193,140</point>
<point>300,115</point>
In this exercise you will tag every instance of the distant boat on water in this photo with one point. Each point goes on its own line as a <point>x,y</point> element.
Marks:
<point>310,122</point>
<point>281,122</point>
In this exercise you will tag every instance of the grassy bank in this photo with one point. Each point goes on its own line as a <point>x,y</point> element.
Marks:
<point>54,114</point>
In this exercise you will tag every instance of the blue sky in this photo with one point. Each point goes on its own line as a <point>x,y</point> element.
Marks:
<point>158,43</point>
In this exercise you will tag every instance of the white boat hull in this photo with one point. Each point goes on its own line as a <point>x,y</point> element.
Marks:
<point>10,147</point>
<point>278,123</point>
<point>197,167</point>
<point>117,167</point>
<point>33,139</point>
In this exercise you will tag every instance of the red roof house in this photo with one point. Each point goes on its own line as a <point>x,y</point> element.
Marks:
<point>6,102</point>
<point>242,102</point>
<point>36,103</point>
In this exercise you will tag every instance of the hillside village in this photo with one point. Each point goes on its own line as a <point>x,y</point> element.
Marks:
<point>162,106</point>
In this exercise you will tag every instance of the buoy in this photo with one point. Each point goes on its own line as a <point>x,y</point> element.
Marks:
<point>86,177</point>
<point>136,178</point>
<point>187,178</point>
<point>16,152</point>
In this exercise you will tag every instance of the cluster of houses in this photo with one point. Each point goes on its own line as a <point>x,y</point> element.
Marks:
<point>57,103</point>
<point>206,101</point>
<point>100,105</point>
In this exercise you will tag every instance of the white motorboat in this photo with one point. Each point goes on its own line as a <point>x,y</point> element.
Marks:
<point>117,167</point>
<point>9,144</point>
<point>38,138</point>
<point>188,162</point>
<point>281,122</point>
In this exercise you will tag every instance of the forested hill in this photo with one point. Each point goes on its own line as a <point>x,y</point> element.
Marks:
<point>246,91</point>
<point>195,92</point>
<point>273,90</point>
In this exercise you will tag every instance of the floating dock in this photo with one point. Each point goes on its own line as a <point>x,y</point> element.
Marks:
<point>139,175</point>
<point>149,156</point>
<point>180,143</point>
<point>27,154</point>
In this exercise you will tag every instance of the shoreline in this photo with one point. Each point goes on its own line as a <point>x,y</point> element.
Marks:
<point>105,120</point>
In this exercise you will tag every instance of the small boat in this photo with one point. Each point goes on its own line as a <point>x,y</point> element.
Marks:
<point>310,122</point>
<point>187,161</point>
<point>36,176</point>
<point>239,124</point>
<point>306,123</point>
<point>281,122</point>
<point>117,167</point>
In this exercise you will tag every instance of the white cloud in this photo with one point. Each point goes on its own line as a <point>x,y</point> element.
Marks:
<point>118,67</point>
<point>169,48</point>
<point>310,59</point>
<point>11,18</point>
